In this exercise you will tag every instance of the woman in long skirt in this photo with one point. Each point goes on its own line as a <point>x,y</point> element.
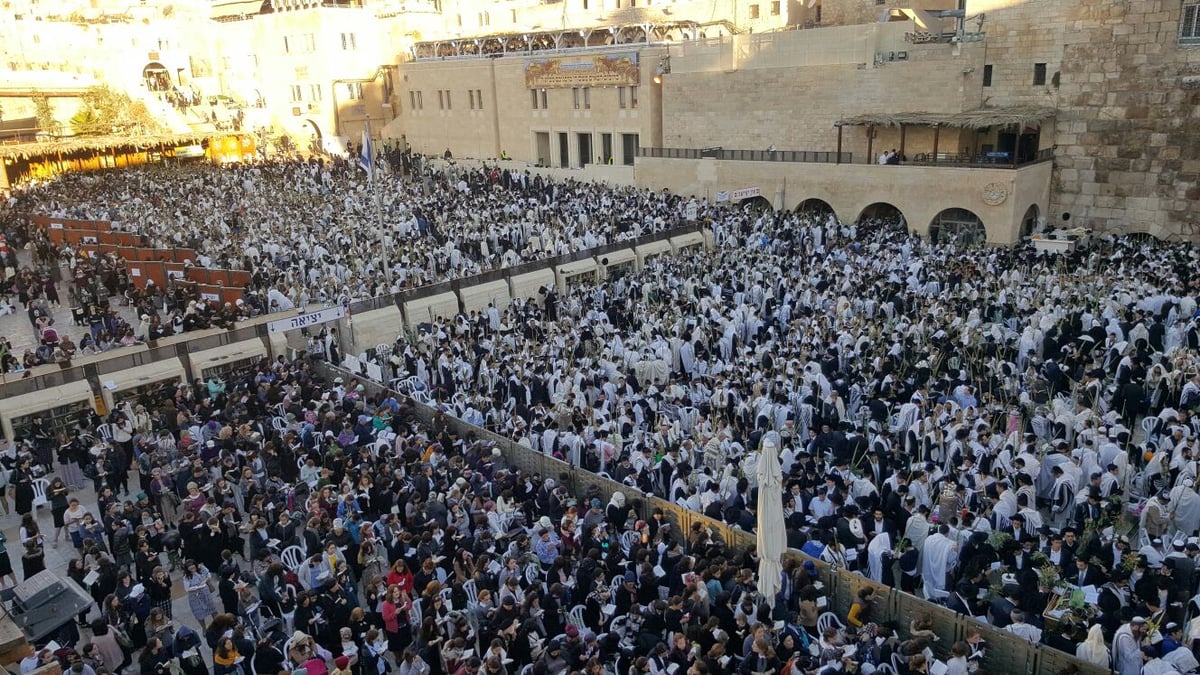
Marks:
<point>57,492</point>
<point>196,578</point>
<point>23,495</point>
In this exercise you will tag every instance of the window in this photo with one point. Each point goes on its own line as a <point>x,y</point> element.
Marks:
<point>1039,74</point>
<point>775,8</point>
<point>310,43</point>
<point>533,96</point>
<point>354,90</point>
<point>448,106</point>
<point>587,98</point>
<point>287,47</point>
<point>315,91</point>
<point>543,93</point>
<point>621,97</point>
<point>575,96</point>
<point>633,96</point>
<point>585,4</point>
<point>987,75</point>
<point>420,100</point>
<point>1189,23</point>
<point>349,42</point>
<point>441,99</point>
<point>297,93</point>
<point>479,98</point>
<point>471,98</point>
<point>412,100</point>
<point>753,11</point>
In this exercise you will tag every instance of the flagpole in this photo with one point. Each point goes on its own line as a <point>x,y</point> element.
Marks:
<point>378,198</point>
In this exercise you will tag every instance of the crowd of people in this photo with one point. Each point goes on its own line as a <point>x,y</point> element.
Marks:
<point>307,231</point>
<point>979,427</point>
<point>1006,433</point>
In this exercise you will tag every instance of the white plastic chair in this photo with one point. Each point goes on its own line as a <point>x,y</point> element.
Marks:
<point>278,424</point>
<point>104,431</point>
<point>472,591</point>
<point>575,616</point>
<point>40,486</point>
<point>293,559</point>
<point>828,620</point>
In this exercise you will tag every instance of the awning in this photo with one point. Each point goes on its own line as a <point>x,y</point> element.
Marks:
<point>139,376</point>
<point>42,400</point>
<point>231,353</point>
<point>1030,117</point>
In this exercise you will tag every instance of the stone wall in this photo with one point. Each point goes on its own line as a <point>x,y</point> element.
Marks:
<point>1127,156</point>
<point>999,197</point>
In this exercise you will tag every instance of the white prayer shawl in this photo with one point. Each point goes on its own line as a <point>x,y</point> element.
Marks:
<point>937,557</point>
<point>1187,510</point>
<point>1127,655</point>
<point>880,544</point>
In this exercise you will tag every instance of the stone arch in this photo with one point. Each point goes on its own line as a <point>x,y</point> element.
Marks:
<point>757,203</point>
<point>957,226</point>
<point>881,211</point>
<point>1029,221</point>
<point>816,207</point>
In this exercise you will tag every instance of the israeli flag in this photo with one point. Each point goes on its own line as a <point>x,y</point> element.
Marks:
<point>366,156</point>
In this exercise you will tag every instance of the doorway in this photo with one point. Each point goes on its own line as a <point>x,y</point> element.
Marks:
<point>564,150</point>
<point>585,149</point>
<point>606,148</point>
<point>541,140</point>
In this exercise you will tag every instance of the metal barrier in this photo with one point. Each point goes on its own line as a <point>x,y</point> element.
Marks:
<point>1007,653</point>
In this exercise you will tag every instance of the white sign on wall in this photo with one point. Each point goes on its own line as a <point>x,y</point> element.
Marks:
<point>745,193</point>
<point>306,320</point>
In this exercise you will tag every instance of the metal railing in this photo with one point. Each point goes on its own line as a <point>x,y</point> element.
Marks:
<point>993,160</point>
<point>807,156</point>
<point>1007,653</point>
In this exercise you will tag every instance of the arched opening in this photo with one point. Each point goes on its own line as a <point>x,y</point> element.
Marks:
<point>960,227</point>
<point>316,139</point>
<point>881,213</point>
<point>1030,221</point>
<point>817,209</point>
<point>756,204</point>
<point>156,77</point>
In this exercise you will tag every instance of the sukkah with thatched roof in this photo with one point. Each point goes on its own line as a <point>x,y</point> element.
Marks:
<point>104,144</point>
<point>1028,117</point>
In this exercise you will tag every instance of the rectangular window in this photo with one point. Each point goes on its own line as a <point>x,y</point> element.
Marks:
<point>544,105</point>
<point>354,90</point>
<point>315,91</point>
<point>349,43</point>
<point>441,99</point>
<point>479,98</point>
<point>412,100</point>
<point>1189,23</point>
<point>287,47</point>
<point>775,8</point>
<point>587,98</point>
<point>420,100</point>
<point>297,93</point>
<point>753,11</point>
<point>310,43</point>
<point>533,97</point>
<point>448,106</point>
<point>621,97</point>
<point>1039,74</point>
<point>471,99</point>
<point>987,75</point>
<point>633,96</point>
<point>575,96</point>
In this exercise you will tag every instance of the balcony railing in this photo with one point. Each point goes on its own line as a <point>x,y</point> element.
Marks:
<point>991,160</point>
<point>809,156</point>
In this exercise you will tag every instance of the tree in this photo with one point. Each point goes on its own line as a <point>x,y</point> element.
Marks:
<point>45,114</point>
<point>106,111</point>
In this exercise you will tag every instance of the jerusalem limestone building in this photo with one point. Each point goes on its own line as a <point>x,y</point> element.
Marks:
<point>1009,114</point>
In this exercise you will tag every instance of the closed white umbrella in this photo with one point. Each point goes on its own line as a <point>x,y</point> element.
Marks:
<point>771,537</point>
